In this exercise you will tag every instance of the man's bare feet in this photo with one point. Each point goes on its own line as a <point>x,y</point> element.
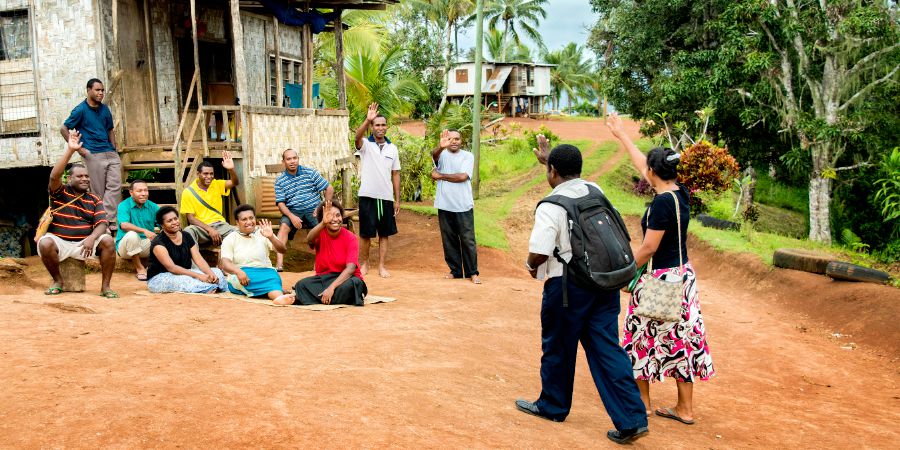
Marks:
<point>364,268</point>
<point>448,276</point>
<point>475,279</point>
<point>383,272</point>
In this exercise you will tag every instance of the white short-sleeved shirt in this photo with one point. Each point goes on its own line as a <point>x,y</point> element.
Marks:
<point>551,229</point>
<point>247,250</point>
<point>375,166</point>
<point>455,197</point>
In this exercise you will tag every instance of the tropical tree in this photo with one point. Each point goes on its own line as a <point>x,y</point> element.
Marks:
<point>499,48</point>
<point>516,16</point>
<point>569,74</point>
<point>797,82</point>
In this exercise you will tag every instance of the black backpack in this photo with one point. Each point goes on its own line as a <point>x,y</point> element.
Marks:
<point>601,254</point>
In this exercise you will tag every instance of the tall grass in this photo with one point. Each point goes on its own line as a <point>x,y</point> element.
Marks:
<point>772,193</point>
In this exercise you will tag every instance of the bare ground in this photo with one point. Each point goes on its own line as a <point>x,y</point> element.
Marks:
<point>438,368</point>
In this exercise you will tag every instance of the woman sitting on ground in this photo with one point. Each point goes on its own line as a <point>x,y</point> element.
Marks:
<point>245,256</point>
<point>337,279</point>
<point>172,253</point>
<point>665,349</point>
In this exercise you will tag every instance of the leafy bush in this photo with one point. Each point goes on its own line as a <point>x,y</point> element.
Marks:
<point>531,136</point>
<point>415,166</point>
<point>641,187</point>
<point>888,194</point>
<point>706,169</point>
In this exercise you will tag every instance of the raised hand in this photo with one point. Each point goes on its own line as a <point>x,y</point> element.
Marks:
<point>265,228</point>
<point>614,123</point>
<point>445,139</point>
<point>372,113</point>
<point>74,142</point>
<point>542,153</point>
<point>227,161</point>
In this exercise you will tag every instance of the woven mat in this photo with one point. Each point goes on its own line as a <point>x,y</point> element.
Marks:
<point>370,299</point>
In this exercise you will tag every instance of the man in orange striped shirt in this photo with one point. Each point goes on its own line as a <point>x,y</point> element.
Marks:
<point>79,225</point>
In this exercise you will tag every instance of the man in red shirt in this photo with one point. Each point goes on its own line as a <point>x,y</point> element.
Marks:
<point>338,279</point>
<point>79,225</point>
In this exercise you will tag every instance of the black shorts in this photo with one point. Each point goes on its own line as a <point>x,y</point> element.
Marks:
<point>372,222</point>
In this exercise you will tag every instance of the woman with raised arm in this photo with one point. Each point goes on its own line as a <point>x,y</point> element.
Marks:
<point>245,257</point>
<point>337,279</point>
<point>172,255</point>
<point>665,349</point>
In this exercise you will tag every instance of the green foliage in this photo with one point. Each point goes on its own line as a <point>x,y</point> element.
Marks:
<point>416,165</point>
<point>570,73</point>
<point>851,240</point>
<point>531,136</point>
<point>888,194</point>
<point>516,15</point>
<point>142,174</point>
<point>510,157</point>
<point>584,109</point>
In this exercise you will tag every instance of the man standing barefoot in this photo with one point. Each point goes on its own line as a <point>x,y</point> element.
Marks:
<point>455,205</point>
<point>379,188</point>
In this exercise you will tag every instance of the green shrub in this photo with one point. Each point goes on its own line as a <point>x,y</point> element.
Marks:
<point>531,136</point>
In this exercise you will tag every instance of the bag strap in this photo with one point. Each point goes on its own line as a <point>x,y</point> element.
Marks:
<point>678,220</point>
<point>53,211</point>
<point>203,202</point>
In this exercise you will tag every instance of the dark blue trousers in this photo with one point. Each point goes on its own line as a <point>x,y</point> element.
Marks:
<point>592,318</point>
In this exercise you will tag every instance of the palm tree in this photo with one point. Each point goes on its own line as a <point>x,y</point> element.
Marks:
<point>569,73</point>
<point>515,15</point>
<point>453,13</point>
<point>501,49</point>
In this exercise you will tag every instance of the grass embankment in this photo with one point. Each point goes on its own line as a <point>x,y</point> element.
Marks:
<point>509,170</point>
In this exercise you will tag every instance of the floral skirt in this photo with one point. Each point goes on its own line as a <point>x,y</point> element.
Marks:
<point>669,349</point>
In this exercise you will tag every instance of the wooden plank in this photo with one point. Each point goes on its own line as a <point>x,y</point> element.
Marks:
<point>332,112</point>
<point>152,165</point>
<point>154,99</point>
<point>213,108</point>
<point>240,63</point>
<point>276,111</point>
<point>307,66</point>
<point>154,186</point>
<point>279,83</point>
<point>274,168</point>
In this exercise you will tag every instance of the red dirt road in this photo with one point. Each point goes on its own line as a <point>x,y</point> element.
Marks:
<point>440,367</point>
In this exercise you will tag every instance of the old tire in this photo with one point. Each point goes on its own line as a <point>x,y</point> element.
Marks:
<point>719,224</point>
<point>805,260</point>
<point>852,272</point>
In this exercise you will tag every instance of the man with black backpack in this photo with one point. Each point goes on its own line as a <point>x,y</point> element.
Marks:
<point>579,246</point>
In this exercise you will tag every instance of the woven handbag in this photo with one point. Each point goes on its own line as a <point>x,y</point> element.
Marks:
<point>46,218</point>
<point>661,299</point>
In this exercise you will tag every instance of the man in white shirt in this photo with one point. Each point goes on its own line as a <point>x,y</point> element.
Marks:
<point>591,315</point>
<point>455,204</point>
<point>379,188</point>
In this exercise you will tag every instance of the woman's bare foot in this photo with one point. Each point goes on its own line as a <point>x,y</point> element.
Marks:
<point>383,272</point>
<point>285,299</point>
<point>475,279</point>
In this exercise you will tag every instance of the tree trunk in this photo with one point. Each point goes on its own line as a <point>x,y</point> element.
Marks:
<point>446,69</point>
<point>819,209</point>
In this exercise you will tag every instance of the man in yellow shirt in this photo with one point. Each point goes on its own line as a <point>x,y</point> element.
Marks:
<point>201,203</point>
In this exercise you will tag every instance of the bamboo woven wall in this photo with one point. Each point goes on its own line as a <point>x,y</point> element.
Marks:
<point>319,137</point>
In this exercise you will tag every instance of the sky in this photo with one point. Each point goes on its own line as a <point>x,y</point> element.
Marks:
<point>567,21</point>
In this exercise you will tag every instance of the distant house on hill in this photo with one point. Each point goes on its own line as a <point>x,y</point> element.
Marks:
<point>513,89</point>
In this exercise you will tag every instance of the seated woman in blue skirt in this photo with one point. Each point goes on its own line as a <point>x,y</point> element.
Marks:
<point>175,261</point>
<point>245,257</point>
<point>337,279</point>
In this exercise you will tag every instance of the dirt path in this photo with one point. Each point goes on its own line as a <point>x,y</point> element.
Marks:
<point>440,367</point>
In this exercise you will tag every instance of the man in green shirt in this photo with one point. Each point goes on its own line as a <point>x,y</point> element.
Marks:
<point>136,216</point>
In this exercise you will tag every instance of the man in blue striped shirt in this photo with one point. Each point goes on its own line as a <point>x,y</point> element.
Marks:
<point>297,196</point>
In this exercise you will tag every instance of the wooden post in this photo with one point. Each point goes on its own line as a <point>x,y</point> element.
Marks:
<point>339,60</point>
<point>346,188</point>
<point>240,64</point>
<point>307,66</point>
<point>279,83</point>
<point>151,65</point>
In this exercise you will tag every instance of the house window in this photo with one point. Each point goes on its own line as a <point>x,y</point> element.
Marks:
<point>488,74</point>
<point>18,101</point>
<point>291,73</point>
<point>530,77</point>
<point>462,75</point>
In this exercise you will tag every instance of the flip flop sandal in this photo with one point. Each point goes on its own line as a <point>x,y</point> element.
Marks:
<point>279,269</point>
<point>141,276</point>
<point>669,413</point>
<point>109,294</point>
<point>53,290</point>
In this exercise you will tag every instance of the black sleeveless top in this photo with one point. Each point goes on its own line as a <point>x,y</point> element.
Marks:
<point>662,217</point>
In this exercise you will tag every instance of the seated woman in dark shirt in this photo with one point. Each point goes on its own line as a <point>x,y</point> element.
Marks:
<point>172,257</point>
<point>337,279</point>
